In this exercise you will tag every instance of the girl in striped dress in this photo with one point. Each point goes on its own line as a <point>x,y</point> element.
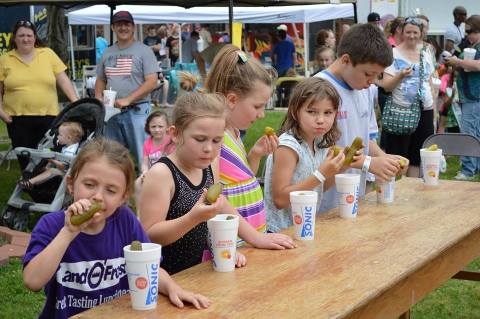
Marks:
<point>247,86</point>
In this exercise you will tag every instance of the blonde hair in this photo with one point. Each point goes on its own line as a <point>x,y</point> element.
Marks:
<point>304,94</point>
<point>195,104</point>
<point>115,154</point>
<point>233,71</point>
<point>75,129</point>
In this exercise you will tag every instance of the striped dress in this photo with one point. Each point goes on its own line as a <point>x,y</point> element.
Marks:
<point>240,184</point>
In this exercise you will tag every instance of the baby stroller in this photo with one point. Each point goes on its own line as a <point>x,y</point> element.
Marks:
<point>49,196</point>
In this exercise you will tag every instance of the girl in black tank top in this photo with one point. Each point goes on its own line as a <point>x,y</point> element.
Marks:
<point>189,249</point>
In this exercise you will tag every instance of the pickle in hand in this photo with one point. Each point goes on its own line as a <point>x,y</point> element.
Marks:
<point>80,219</point>
<point>350,153</point>
<point>336,150</point>
<point>214,192</point>
<point>269,131</point>
<point>136,245</point>
<point>403,163</point>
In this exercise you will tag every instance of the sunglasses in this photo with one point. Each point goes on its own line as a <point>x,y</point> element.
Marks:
<point>24,23</point>
<point>415,21</point>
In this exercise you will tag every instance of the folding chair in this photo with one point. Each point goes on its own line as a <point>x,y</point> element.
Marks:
<point>460,144</point>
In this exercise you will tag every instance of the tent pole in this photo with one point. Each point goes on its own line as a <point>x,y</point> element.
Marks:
<point>355,13</point>
<point>230,19</point>
<point>306,48</point>
<point>112,7</point>
<point>72,56</point>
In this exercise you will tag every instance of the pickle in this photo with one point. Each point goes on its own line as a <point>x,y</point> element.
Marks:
<point>269,131</point>
<point>356,145</point>
<point>403,163</point>
<point>336,150</point>
<point>230,217</point>
<point>136,245</point>
<point>213,192</point>
<point>432,148</point>
<point>80,219</point>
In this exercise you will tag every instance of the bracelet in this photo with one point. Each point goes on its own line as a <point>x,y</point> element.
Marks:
<point>366,164</point>
<point>319,176</point>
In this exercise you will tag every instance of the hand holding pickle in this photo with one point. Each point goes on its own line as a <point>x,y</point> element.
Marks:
<point>82,211</point>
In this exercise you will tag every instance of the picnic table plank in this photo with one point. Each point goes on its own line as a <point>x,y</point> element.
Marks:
<point>375,266</point>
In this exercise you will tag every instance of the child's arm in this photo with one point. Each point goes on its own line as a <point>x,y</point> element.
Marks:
<point>384,165</point>
<point>390,82</point>
<point>177,295</point>
<point>264,146</point>
<point>155,202</point>
<point>144,163</point>
<point>284,165</point>
<point>57,163</point>
<point>44,265</point>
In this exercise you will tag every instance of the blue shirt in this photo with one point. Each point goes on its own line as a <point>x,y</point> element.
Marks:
<point>284,51</point>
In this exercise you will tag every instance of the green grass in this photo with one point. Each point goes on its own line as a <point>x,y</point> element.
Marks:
<point>455,299</point>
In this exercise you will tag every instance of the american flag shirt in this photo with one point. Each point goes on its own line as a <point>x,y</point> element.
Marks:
<point>125,69</point>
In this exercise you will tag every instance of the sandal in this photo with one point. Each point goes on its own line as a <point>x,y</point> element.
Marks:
<point>25,184</point>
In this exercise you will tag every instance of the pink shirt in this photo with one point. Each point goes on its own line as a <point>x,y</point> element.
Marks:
<point>155,153</point>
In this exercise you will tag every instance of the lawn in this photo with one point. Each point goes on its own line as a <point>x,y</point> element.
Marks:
<point>456,299</point>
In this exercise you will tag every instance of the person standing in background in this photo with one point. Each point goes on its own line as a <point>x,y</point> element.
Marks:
<point>456,31</point>
<point>173,44</point>
<point>100,45</point>
<point>283,55</point>
<point>206,36</point>
<point>129,68</point>
<point>153,41</point>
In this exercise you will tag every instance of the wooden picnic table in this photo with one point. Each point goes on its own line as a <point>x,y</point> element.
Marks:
<point>375,266</point>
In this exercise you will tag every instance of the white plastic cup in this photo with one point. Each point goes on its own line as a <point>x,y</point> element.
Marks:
<point>469,54</point>
<point>430,165</point>
<point>222,235</point>
<point>109,98</point>
<point>348,188</point>
<point>142,271</point>
<point>304,209</point>
<point>385,190</point>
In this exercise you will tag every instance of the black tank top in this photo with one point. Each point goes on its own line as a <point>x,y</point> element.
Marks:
<point>187,251</point>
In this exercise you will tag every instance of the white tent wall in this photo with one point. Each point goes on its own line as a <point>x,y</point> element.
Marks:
<point>100,14</point>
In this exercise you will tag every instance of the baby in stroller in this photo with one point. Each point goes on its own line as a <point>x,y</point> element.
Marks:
<point>69,135</point>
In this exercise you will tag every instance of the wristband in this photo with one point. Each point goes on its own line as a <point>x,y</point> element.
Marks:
<point>366,164</point>
<point>319,176</point>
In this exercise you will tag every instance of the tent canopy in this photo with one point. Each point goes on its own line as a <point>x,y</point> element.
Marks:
<point>100,14</point>
<point>180,3</point>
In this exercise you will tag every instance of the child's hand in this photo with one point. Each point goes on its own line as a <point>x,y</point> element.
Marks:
<point>403,168</point>
<point>358,159</point>
<point>241,260</point>
<point>332,164</point>
<point>265,145</point>
<point>203,211</point>
<point>274,241</point>
<point>177,295</point>
<point>78,208</point>
<point>385,167</point>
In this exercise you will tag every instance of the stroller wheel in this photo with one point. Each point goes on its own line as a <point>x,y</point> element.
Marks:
<point>14,218</point>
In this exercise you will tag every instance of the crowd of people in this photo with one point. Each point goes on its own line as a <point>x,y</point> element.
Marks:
<point>201,144</point>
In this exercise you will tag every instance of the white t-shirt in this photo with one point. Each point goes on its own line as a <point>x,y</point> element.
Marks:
<point>356,117</point>
<point>70,149</point>
<point>406,91</point>
<point>455,34</point>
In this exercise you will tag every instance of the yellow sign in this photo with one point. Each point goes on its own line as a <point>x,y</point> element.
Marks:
<point>237,34</point>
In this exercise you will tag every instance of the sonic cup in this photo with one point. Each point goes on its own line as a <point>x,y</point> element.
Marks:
<point>348,187</point>
<point>222,235</point>
<point>304,209</point>
<point>385,190</point>
<point>142,270</point>
<point>430,165</point>
<point>109,98</point>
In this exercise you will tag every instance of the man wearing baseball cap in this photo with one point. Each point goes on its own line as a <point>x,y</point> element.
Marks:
<point>130,68</point>
<point>374,18</point>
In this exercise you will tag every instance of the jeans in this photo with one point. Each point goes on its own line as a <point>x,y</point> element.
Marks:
<point>470,125</point>
<point>127,128</point>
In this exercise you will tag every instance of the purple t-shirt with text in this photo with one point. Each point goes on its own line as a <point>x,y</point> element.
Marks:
<point>92,270</point>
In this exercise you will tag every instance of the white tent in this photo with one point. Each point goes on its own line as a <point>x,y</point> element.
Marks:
<point>100,14</point>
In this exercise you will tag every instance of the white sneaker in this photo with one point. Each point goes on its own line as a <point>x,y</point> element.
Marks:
<point>462,177</point>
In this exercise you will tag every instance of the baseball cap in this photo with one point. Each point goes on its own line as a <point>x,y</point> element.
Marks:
<point>282,27</point>
<point>122,16</point>
<point>373,17</point>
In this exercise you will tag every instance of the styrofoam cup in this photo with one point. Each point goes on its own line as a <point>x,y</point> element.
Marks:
<point>142,268</point>
<point>385,190</point>
<point>222,235</point>
<point>430,165</point>
<point>304,209</point>
<point>469,54</point>
<point>348,187</point>
<point>109,98</point>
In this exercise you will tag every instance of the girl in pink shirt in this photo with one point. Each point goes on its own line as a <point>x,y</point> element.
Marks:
<point>159,143</point>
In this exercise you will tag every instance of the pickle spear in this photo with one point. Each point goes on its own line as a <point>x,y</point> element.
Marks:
<point>80,219</point>
<point>336,150</point>
<point>356,145</point>
<point>403,163</point>
<point>214,192</point>
<point>269,131</point>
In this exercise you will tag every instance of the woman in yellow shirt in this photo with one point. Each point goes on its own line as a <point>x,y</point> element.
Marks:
<point>29,74</point>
